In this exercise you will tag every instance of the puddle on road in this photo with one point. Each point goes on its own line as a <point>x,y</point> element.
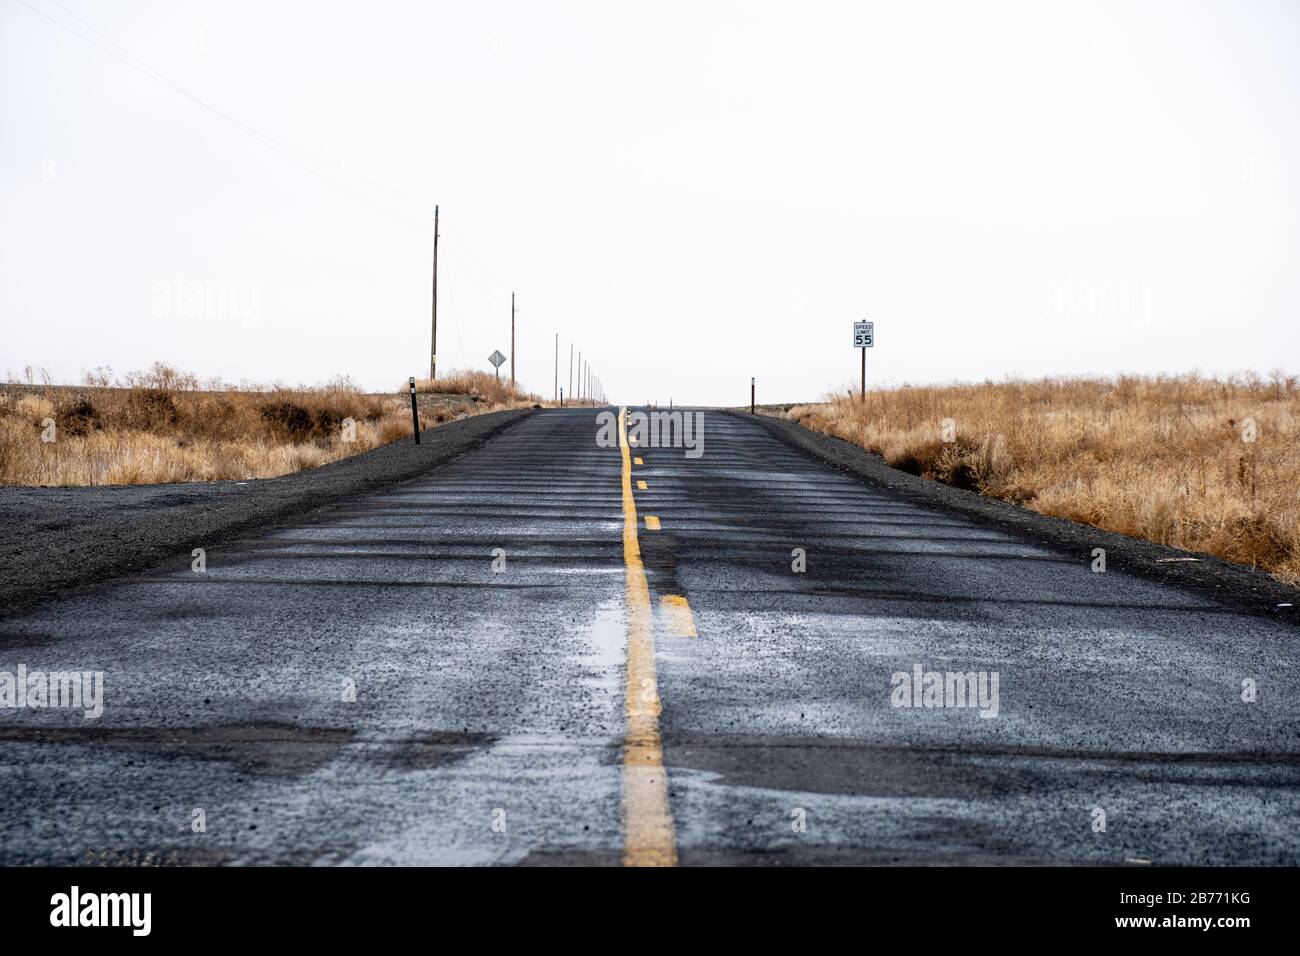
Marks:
<point>659,556</point>
<point>607,634</point>
<point>155,857</point>
<point>182,855</point>
<point>543,857</point>
<point>264,749</point>
<point>438,749</point>
<point>822,765</point>
<point>860,768</point>
<point>12,640</point>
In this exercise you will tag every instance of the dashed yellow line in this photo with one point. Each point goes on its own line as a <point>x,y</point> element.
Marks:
<point>649,838</point>
<point>640,486</point>
<point>638,461</point>
<point>651,522</point>
<point>677,611</point>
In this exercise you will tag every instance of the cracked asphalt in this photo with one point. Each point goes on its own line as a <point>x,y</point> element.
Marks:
<point>379,684</point>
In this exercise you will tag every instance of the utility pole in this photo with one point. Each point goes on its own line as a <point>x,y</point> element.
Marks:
<point>571,370</point>
<point>579,392</point>
<point>512,339</point>
<point>433,348</point>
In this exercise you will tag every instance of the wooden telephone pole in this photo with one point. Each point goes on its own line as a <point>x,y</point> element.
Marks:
<point>433,348</point>
<point>512,338</point>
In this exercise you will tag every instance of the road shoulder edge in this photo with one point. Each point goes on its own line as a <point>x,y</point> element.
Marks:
<point>1235,585</point>
<point>59,541</point>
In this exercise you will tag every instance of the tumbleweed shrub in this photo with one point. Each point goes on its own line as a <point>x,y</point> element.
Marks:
<point>1202,464</point>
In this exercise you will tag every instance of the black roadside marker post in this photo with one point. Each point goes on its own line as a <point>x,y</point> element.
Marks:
<point>415,416</point>
<point>751,395</point>
<point>561,398</point>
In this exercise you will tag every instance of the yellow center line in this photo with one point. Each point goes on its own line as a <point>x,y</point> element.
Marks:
<point>640,486</point>
<point>652,522</point>
<point>649,838</point>
<point>677,610</point>
<point>639,461</point>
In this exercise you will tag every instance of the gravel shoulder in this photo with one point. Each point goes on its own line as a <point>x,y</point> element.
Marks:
<point>1235,585</point>
<point>59,539</point>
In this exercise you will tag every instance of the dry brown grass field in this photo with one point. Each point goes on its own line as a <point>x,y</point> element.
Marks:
<point>161,425</point>
<point>1195,463</point>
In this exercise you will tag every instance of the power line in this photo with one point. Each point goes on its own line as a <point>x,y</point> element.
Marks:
<point>140,66</point>
<point>394,193</point>
<point>126,57</point>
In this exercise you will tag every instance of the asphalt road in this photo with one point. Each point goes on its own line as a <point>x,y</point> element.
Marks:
<point>641,675</point>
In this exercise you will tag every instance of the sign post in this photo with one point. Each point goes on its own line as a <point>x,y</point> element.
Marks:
<point>496,358</point>
<point>415,415</point>
<point>751,395</point>
<point>864,337</point>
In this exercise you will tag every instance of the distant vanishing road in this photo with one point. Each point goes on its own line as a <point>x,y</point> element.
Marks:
<point>551,652</point>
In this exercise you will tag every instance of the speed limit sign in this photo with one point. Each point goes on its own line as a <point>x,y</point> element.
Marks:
<point>864,335</point>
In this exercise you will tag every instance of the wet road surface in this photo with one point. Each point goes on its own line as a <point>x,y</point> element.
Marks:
<point>552,652</point>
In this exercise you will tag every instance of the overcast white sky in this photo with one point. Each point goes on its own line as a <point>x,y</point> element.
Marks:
<point>692,192</point>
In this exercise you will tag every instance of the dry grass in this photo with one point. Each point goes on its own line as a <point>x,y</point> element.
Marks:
<point>1165,459</point>
<point>486,387</point>
<point>481,386</point>
<point>160,426</point>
